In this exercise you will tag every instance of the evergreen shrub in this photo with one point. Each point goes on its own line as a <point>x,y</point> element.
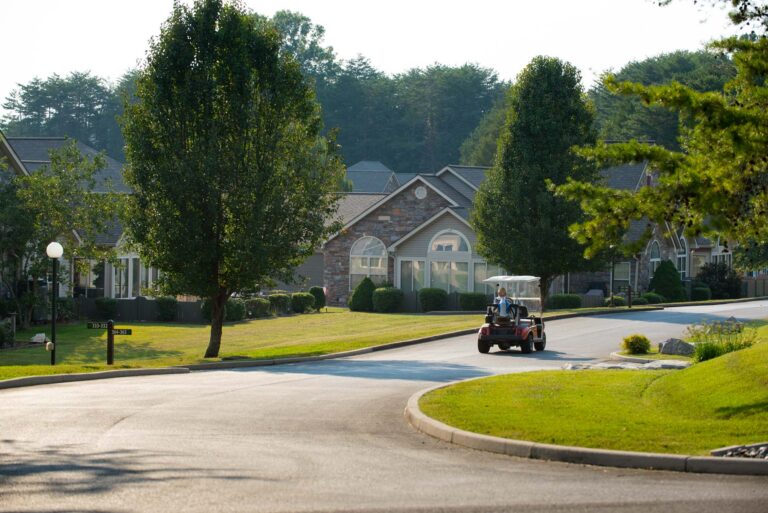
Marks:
<point>636,344</point>
<point>166,308</point>
<point>319,295</point>
<point>564,301</point>
<point>362,297</point>
<point>701,294</point>
<point>666,281</point>
<point>473,301</point>
<point>387,299</point>
<point>617,301</point>
<point>653,298</point>
<point>432,299</point>
<point>302,302</point>
<point>280,303</point>
<point>235,309</point>
<point>257,307</point>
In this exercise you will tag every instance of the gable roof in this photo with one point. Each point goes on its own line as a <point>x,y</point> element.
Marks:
<point>626,177</point>
<point>6,150</point>
<point>372,181</point>
<point>34,153</point>
<point>445,211</point>
<point>458,198</point>
<point>369,165</point>
<point>473,176</point>
<point>352,204</point>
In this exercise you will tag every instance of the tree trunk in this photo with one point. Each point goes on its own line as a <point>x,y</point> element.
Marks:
<point>218,305</point>
<point>544,283</point>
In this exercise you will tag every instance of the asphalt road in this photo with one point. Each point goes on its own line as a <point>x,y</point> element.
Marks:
<point>326,436</point>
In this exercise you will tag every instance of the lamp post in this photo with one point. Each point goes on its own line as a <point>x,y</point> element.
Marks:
<point>613,263</point>
<point>54,252</point>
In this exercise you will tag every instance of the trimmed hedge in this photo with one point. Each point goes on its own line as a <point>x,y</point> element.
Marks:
<point>319,295</point>
<point>280,303</point>
<point>235,309</point>
<point>564,301</point>
<point>387,299</point>
<point>432,299</point>
<point>106,308</point>
<point>473,301</point>
<point>166,308</point>
<point>640,301</point>
<point>362,296</point>
<point>701,294</point>
<point>302,302</point>
<point>653,298</point>
<point>258,307</point>
<point>617,301</point>
<point>636,344</point>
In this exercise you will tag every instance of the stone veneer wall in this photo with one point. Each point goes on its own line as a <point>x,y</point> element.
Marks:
<point>389,223</point>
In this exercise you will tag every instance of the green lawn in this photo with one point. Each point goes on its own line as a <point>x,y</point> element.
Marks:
<point>712,404</point>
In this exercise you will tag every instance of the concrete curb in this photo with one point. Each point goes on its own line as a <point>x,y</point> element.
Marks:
<point>68,378</point>
<point>708,303</point>
<point>616,356</point>
<point>581,455</point>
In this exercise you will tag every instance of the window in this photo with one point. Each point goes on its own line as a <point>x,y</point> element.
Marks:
<point>121,278</point>
<point>411,275</point>
<point>89,278</point>
<point>449,242</point>
<point>131,278</point>
<point>368,257</point>
<point>682,259</point>
<point>655,259</point>
<point>484,270</point>
<point>450,276</point>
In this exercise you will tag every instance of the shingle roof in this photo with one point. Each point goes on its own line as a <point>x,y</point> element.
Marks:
<point>404,178</point>
<point>372,181</point>
<point>34,153</point>
<point>473,174</point>
<point>369,165</point>
<point>112,235</point>
<point>625,177</point>
<point>353,204</point>
<point>447,190</point>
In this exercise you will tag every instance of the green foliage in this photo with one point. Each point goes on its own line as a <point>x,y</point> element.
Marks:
<point>718,338</point>
<point>479,149</point>
<point>564,301</point>
<point>617,301</point>
<point>302,302</point>
<point>473,301</point>
<point>319,295</point>
<point>258,307</point>
<point>387,300</point>
<point>106,308</point>
<point>547,115</point>
<point>206,308</point>
<point>6,333</point>
<point>235,310</point>
<point>166,308</point>
<point>620,118</point>
<point>701,294</point>
<point>65,309</point>
<point>666,281</point>
<point>724,282</point>
<point>639,301</point>
<point>653,298</point>
<point>636,344</point>
<point>280,303</point>
<point>707,350</point>
<point>713,187</point>
<point>207,176</point>
<point>432,299</point>
<point>362,297</point>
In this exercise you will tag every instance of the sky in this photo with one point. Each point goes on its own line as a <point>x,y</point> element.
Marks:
<point>107,37</point>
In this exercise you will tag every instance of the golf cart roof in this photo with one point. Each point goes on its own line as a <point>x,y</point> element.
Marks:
<point>511,279</point>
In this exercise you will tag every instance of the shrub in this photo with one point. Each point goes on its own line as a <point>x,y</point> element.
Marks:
<point>433,299</point>
<point>718,338</point>
<point>653,298</point>
<point>387,299</point>
<point>235,309</point>
<point>166,308</point>
<point>65,309</point>
<point>6,333</point>
<point>562,301</point>
<point>639,301</point>
<point>362,297</point>
<point>724,282</point>
<point>617,301</point>
<point>666,281</point>
<point>636,344</point>
<point>701,294</point>
<point>319,295</point>
<point>106,308</point>
<point>704,351</point>
<point>257,307</point>
<point>473,301</point>
<point>280,303</point>
<point>302,302</point>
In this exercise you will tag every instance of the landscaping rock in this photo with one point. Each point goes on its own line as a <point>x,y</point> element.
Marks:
<point>677,346</point>
<point>756,451</point>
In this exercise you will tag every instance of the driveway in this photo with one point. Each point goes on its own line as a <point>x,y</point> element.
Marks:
<point>326,436</point>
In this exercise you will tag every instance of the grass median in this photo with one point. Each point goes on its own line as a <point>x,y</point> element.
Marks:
<point>720,402</point>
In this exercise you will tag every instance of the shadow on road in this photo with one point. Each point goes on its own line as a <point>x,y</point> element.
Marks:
<point>547,355</point>
<point>411,370</point>
<point>677,317</point>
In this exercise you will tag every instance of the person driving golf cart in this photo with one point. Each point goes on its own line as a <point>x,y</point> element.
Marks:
<point>504,305</point>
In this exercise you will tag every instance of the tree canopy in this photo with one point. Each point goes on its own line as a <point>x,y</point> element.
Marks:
<point>520,224</point>
<point>233,182</point>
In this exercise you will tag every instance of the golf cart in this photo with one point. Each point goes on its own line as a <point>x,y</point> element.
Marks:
<point>519,327</point>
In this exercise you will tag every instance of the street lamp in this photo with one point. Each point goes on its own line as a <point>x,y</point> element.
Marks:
<point>54,252</point>
<point>613,263</point>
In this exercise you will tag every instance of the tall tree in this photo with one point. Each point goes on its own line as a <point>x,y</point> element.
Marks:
<point>479,149</point>
<point>623,117</point>
<point>520,223</point>
<point>303,40</point>
<point>233,183</point>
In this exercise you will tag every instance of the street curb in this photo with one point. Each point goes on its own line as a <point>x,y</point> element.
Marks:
<point>710,303</point>
<point>68,378</point>
<point>569,454</point>
<point>616,356</point>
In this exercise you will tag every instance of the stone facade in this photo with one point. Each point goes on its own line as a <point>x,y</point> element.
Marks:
<point>391,221</point>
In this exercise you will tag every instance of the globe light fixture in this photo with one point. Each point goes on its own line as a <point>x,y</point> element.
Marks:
<point>54,252</point>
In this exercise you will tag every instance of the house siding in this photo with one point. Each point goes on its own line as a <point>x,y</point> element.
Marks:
<point>458,184</point>
<point>416,246</point>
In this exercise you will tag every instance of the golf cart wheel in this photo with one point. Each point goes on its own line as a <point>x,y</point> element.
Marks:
<point>483,347</point>
<point>527,345</point>
<point>541,345</point>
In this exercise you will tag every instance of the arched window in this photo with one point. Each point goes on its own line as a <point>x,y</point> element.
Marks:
<point>449,255</point>
<point>682,259</point>
<point>368,257</point>
<point>655,258</point>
